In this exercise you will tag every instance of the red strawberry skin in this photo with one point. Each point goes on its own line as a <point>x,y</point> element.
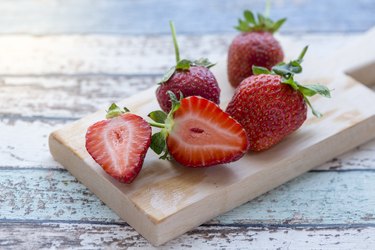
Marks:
<point>252,48</point>
<point>268,110</point>
<point>204,135</point>
<point>119,145</point>
<point>197,81</point>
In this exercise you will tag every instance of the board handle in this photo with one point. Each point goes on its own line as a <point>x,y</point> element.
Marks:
<point>358,58</point>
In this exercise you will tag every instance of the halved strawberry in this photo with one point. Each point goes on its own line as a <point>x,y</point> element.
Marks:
<point>119,144</point>
<point>197,133</point>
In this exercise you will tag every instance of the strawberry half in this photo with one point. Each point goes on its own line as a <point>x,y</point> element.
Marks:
<point>197,133</point>
<point>119,144</point>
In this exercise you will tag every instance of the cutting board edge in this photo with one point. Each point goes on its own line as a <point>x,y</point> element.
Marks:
<point>367,125</point>
<point>160,232</point>
<point>70,160</point>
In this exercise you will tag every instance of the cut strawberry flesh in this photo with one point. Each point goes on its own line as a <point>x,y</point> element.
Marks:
<point>204,135</point>
<point>119,145</point>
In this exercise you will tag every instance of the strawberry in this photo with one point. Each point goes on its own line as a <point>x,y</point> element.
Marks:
<point>271,104</point>
<point>119,143</point>
<point>197,133</point>
<point>188,77</point>
<point>256,45</point>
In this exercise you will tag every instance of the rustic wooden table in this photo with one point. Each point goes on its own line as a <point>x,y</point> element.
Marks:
<point>60,61</point>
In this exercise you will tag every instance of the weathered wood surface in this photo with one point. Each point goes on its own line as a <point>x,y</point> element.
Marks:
<point>59,87</point>
<point>69,97</point>
<point>163,203</point>
<point>55,195</point>
<point>15,153</point>
<point>193,16</point>
<point>90,55</point>
<point>98,236</point>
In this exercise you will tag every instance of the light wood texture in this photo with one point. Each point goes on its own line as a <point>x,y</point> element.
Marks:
<point>91,236</point>
<point>48,80</point>
<point>46,195</point>
<point>90,56</point>
<point>15,153</point>
<point>335,196</point>
<point>166,200</point>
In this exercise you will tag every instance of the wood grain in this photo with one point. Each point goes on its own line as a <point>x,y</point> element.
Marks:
<point>152,16</point>
<point>67,96</point>
<point>166,196</point>
<point>91,236</point>
<point>56,196</point>
<point>76,55</point>
<point>17,152</point>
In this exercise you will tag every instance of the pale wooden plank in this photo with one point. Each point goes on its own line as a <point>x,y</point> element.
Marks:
<point>67,96</point>
<point>88,236</point>
<point>152,16</point>
<point>29,149</point>
<point>24,142</point>
<point>313,198</point>
<point>101,54</point>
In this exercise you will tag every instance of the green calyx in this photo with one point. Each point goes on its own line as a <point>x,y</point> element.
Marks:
<point>164,121</point>
<point>258,23</point>
<point>287,72</point>
<point>114,111</point>
<point>182,64</point>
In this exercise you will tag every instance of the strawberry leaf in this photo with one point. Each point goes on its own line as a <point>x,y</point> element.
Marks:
<point>204,62</point>
<point>158,144</point>
<point>276,26</point>
<point>293,67</point>
<point>114,111</point>
<point>158,116</point>
<point>260,23</point>
<point>313,89</point>
<point>287,72</point>
<point>314,111</point>
<point>261,20</point>
<point>165,122</point>
<point>167,75</point>
<point>260,70</point>
<point>175,102</point>
<point>183,64</point>
<point>290,81</point>
<point>249,16</point>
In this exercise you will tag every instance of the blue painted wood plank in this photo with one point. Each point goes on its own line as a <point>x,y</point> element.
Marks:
<point>89,236</point>
<point>314,198</point>
<point>190,16</point>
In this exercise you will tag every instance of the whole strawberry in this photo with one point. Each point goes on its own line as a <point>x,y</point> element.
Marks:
<point>119,144</point>
<point>197,133</point>
<point>191,78</point>
<point>271,104</point>
<point>256,45</point>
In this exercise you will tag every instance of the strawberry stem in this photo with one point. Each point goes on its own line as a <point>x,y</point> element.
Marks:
<point>176,50</point>
<point>300,58</point>
<point>156,124</point>
<point>267,9</point>
<point>287,72</point>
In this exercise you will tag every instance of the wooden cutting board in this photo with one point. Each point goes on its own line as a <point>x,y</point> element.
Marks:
<point>166,199</point>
